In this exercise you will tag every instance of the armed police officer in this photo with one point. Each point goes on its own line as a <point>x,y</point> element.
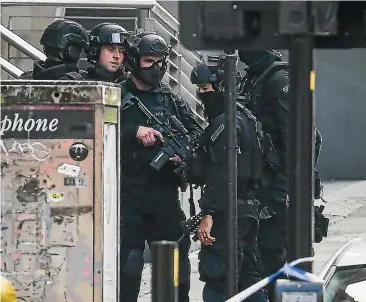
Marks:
<point>106,53</point>
<point>266,95</point>
<point>63,42</point>
<point>150,206</point>
<point>213,202</point>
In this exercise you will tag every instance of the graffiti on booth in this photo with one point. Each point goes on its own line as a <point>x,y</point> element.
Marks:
<point>47,227</point>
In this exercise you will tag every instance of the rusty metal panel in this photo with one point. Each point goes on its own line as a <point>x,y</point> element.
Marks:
<point>29,92</point>
<point>52,194</point>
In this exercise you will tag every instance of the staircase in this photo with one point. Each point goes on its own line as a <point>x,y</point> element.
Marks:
<point>29,23</point>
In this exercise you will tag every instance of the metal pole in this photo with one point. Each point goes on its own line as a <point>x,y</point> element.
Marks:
<point>165,266</point>
<point>231,213</point>
<point>301,154</point>
<point>20,44</point>
<point>82,3</point>
<point>10,69</point>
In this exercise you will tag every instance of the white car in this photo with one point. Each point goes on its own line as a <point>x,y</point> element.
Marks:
<point>345,273</point>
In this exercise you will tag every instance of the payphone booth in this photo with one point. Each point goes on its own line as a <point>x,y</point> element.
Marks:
<point>60,190</point>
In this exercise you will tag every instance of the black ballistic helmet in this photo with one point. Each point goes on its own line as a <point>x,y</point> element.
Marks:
<point>203,74</point>
<point>67,36</point>
<point>255,57</point>
<point>104,34</point>
<point>144,44</point>
<point>211,71</point>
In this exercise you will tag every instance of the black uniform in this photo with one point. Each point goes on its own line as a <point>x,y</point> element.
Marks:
<point>266,89</point>
<point>62,36</point>
<point>213,258</point>
<point>105,34</point>
<point>214,199</point>
<point>151,210</point>
<point>53,70</point>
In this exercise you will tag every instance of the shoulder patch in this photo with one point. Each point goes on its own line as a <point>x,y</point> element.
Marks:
<point>217,132</point>
<point>286,89</point>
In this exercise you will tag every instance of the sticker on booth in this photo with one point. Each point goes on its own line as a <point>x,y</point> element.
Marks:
<point>77,182</point>
<point>55,196</point>
<point>78,151</point>
<point>69,170</point>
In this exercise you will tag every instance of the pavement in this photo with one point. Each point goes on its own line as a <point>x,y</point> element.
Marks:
<point>346,208</point>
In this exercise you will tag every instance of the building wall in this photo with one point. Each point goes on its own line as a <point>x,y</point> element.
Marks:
<point>340,112</point>
<point>340,103</point>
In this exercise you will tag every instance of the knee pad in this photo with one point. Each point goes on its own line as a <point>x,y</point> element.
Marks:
<point>133,262</point>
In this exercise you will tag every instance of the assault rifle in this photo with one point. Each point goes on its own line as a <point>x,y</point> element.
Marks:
<point>190,226</point>
<point>176,142</point>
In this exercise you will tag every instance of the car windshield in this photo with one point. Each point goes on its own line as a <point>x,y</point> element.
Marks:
<point>348,284</point>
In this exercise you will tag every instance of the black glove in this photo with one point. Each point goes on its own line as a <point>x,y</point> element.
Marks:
<point>321,224</point>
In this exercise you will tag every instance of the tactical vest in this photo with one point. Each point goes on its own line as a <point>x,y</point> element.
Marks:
<point>73,75</point>
<point>263,162</point>
<point>169,99</point>
<point>255,89</point>
<point>254,99</point>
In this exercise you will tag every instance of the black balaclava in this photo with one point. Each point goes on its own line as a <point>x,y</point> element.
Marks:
<point>152,75</point>
<point>213,102</point>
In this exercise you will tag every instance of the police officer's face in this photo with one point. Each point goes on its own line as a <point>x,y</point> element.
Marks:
<point>147,61</point>
<point>111,57</point>
<point>207,87</point>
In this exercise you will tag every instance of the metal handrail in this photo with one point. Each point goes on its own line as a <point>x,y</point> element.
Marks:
<point>82,3</point>
<point>170,20</point>
<point>20,44</point>
<point>10,69</point>
<point>168,17</point>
